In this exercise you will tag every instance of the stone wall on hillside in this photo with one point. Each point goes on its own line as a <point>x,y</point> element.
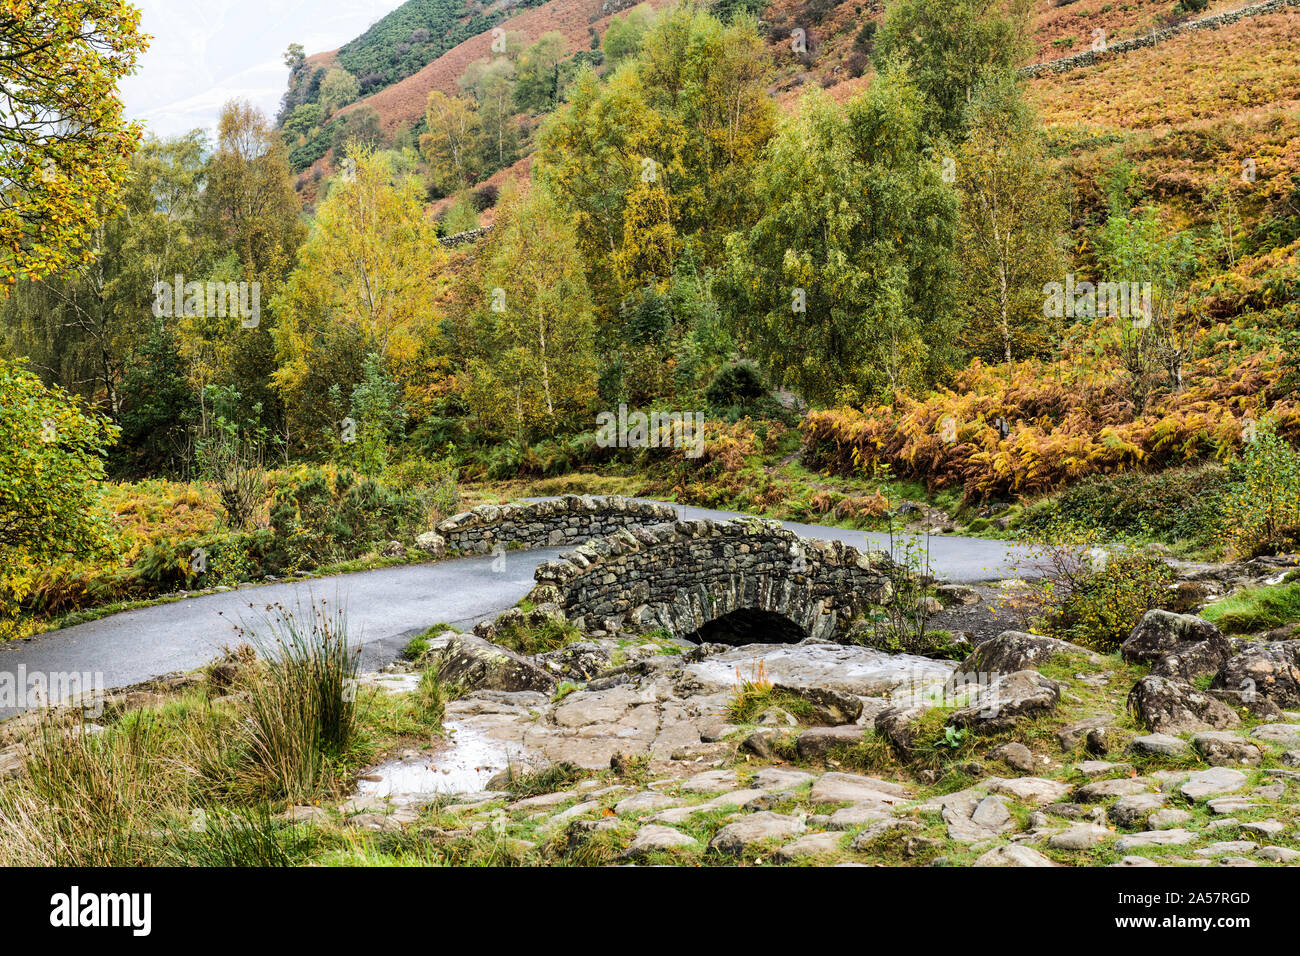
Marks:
<point>682,575</point>
<point>1090,57</point>
<point>570,520</point>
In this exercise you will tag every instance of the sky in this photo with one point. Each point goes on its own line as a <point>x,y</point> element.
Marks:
<point>205,52</point>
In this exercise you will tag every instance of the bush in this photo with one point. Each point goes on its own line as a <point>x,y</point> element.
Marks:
<point>1104,606</point>
<point>1261,513</point>
<point>326,517</point>
<point>1184,504</point>
<point>738,384</point>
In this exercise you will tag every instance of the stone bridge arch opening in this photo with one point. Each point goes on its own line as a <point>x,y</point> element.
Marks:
<point>748,625</point>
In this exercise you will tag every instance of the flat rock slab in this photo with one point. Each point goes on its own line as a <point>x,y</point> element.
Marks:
<point>860,814</point>
<point>1101,768</point>
<point>1223,749</point>
<point>650,839</point>
<point>1279,854</point>
<point>1212,783</point>
<point>711,781</point>
<point>736,838</point>
<point>1288,735</point>
<point>1031,791</point>
<point>1227,805</point>
<point>854,788</point>
<point>1174,837</point>
<point>1225,847</point>
<point>543,800</point>
<point>1168,818</point>
<point>810,844</point>
<point>1119,787</point>
<point>1013,855</point>
<point>780,778</point>
<point>1164,744</point>
<point>861,671</point>
<point>1268,829</point>
<point>1081,836</point>
<point>645,801</point>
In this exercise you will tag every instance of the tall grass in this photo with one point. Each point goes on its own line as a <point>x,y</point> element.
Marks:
<point>126,794</point>
<point>87,798</point>
<point>300,697</point>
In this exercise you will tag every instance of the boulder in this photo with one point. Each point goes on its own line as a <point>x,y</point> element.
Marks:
<point>1014,651</point>
<point>581,660</point>
<point>1190,661</point>
<point>1271,670</point>
<point>898,726</point>
<point>432,544</point>
<point>1223,749</point>
<point>1174,707</point>
<point>1023,693</point>
<point>1160,744</point>
<point>1160,632</point>
<point>817,742</point>
<point>830,706</point>
<point>481,665</point>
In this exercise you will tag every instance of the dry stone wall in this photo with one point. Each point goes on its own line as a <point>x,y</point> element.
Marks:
<point>1090,57</point>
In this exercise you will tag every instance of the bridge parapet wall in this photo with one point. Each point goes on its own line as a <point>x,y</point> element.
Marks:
<point>570,520</point>
<point>681,575</point>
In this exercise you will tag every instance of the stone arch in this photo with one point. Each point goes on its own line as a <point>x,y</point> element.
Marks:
<point>683,575</point>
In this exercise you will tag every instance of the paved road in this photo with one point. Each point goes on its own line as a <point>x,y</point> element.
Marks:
<point>385,607</point>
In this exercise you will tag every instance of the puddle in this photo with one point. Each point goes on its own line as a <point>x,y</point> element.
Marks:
<point>465,765</point>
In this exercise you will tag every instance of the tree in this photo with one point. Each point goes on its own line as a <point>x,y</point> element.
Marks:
<point>253,215</point>
<point>338,89</point>
<point>492,84</point>
<point>304,119</point>
<point>845,284</point>
<point>1012,215</point>
<point>294,56</point>
<point>51,461</point>
<point>539,73</point>
<point>534,369</point>
<point>950,47</point>
<point>80,327</point>
<point>65,145</point>
<point>361,126</point>
<point>365,282</point>
<point>679,128</point>
<point>625,31</point>
<point>450,145</point>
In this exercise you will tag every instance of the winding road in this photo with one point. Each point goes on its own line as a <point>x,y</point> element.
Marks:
<point>385,607</point>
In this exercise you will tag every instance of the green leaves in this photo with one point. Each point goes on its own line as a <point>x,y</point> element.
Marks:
<point>845,282</point>
<point>51,461</point>
<point>61,58</point>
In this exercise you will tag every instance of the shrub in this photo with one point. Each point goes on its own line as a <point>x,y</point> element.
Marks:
<point>1262,512</point>
<point>740,384</point>
<point>1184,504</point>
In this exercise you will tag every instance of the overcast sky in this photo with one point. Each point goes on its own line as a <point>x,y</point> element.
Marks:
<point>205,52</point>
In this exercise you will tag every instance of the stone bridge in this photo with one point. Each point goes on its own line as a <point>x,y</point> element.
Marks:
<point>570,520</point>
<point>736,582</point>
